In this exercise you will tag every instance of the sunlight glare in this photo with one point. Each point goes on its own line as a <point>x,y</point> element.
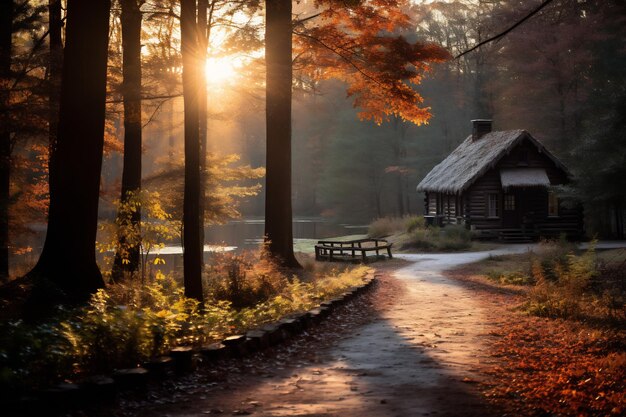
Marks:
<point>220,70</point>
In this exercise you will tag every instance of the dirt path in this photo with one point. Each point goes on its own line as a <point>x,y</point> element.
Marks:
<point>422,355</point>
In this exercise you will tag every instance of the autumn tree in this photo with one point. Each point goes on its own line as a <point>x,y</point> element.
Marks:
<point>22,116</point>
<point>356,42</point>
<point>68,256</point>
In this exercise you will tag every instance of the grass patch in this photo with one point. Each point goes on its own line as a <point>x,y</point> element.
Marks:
<point>387,226</point>
<point>445,239</point>
<point>411,233</point>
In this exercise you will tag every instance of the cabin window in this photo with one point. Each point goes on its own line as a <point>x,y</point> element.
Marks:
<point>509,202</point>
<point>492,205</point>
<point>553,204</point>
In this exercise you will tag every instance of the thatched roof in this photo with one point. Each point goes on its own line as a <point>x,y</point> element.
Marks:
<point>472,158</point>
<point>524,177</point>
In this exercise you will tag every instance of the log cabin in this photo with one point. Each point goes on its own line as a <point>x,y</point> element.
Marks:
<point>502,185</point>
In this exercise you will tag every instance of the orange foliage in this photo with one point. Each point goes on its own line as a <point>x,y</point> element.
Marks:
<point>362,44</point>
<point>558,367</point>
<point>29,192</point>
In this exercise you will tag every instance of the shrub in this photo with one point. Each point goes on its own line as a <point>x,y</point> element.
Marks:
<point>156,228</point>
<point>422,239</point>
<point>243,280</point>
<point>32,355</point>
<point>452,237</point>
<point>121,326</point>
<point>386,226</point>
<point>412,223</point>
<point>561,289</point>
<point>510,278</point>
<point>130,322</point>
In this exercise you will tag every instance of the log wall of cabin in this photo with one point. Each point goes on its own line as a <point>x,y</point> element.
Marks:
<point>431,204</point>
<point>476,197</point>
<point>569,219</point>
<point>444,205</point>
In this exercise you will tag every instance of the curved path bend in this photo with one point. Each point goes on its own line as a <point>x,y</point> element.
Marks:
<point>422,356</point>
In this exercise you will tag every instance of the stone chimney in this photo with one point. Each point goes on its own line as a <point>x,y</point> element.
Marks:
<point>480,127</point>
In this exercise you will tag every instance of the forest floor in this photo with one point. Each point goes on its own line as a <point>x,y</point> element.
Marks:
<point>417,345</point>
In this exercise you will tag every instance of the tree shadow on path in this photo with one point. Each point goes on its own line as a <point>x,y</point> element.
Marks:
<point>372,357</point>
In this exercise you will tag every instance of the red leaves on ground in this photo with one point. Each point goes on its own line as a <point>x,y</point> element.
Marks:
<point>560,368</point>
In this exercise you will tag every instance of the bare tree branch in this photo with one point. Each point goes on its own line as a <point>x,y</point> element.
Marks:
<point>504,33</point>
<point>341,55</point>
<point>166,97</point>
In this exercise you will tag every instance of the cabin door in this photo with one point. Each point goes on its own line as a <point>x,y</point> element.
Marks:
<point>512,210</point>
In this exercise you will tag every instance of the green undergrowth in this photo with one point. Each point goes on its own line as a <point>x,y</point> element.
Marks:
<point>562,281</point>
<point>128,323</point>
<point>411,233</point>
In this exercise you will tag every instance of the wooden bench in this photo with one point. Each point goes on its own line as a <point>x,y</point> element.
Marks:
<point>327,249</point>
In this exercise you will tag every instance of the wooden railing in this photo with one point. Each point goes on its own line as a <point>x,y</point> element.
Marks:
<point>334,249</point>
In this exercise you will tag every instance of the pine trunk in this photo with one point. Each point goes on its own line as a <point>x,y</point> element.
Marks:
<point>6,20</point>
<point>203,6</point>
<point>192,253</point>
<point>54,72</point>
<point>278,211</point>
<point>68,259</point>
<point>131,90</point>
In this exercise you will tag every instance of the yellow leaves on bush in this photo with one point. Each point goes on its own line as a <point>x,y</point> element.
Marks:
<point>132,321</point>
<point>157,228</point>
<point>563,286</point>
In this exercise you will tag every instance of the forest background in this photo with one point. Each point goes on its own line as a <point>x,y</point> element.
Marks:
<point>560,76</point>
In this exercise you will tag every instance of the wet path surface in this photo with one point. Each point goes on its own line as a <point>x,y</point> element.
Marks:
<point>421,356</point>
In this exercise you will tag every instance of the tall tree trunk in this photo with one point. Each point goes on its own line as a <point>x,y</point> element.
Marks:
<point>6,31</point>
<point>278,211</point>
<point>68,259</point>
<point>192,253</point>
<point>203,33</point>
<point>54,72</point>
<point>131,90</point>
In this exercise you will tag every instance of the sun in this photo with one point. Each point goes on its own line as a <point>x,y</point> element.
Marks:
<point>220,70</point>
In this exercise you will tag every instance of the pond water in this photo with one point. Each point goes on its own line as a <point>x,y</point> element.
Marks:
<point>248,233</point>
<point>236,235</point>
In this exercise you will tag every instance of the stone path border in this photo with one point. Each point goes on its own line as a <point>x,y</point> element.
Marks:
<point>182,359</point>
